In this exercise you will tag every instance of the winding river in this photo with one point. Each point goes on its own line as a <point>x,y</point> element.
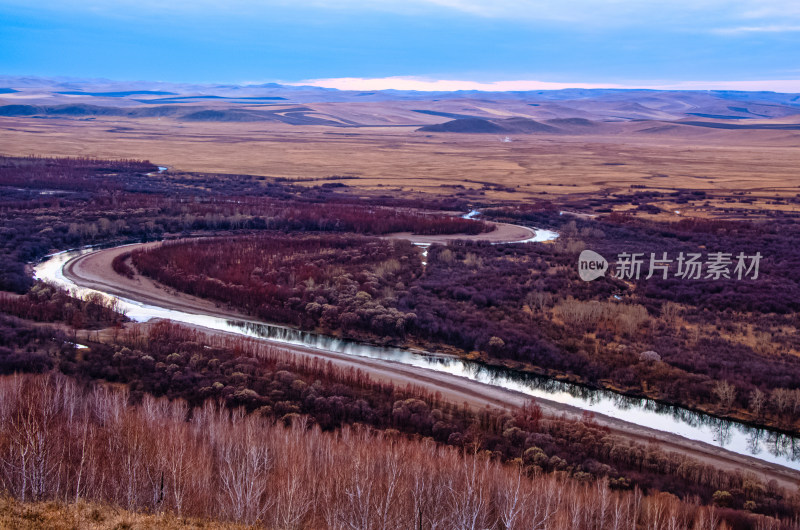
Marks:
<point>766,445</point>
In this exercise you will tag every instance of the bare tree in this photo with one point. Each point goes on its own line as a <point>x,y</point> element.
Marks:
<point>512,502</point>
<point>757,401</point>
<point>244,464</point>
<point>726,394</point>
<point>56,442</point>
<point>670,312</point>
<point>537,302</point>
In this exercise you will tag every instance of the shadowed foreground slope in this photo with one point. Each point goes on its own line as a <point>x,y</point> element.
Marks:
<point>60,441</point>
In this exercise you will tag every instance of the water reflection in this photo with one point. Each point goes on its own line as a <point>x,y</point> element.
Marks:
<point>734,436</point>
<point>766,445</point>
<point>754,441</point>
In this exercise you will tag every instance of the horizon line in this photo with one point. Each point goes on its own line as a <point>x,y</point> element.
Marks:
<point>427,84</point>
<point>422,84</point>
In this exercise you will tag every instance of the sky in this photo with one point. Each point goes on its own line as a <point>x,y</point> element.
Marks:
<point>410,44</point>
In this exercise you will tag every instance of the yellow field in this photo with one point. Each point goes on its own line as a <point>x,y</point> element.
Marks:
<point>763,162</point>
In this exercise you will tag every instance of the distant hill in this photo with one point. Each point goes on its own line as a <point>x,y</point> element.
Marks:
<point>572,122</point>
<point>226,115</point>
<point>88,110</point>
<point>568,112</point>
<point>300,115</point>
<point>484,126</point>
<point>453,115</point>
<point>741,126</point>
<point>18,110</point>
<point>525,126</point>
<point>122,94</point>
<point>465,125</point>
<point>189,99</point>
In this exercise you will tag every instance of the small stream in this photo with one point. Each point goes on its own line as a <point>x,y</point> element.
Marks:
<point>763,444</point>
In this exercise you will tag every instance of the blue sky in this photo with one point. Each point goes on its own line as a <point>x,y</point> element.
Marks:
<point>358,44</point>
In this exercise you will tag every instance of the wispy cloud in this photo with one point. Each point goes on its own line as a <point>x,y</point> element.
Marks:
<point>441,85</point>
<point>746,30</point>
<point>447,85</point>
<point>593,12</point>
<point>524,41</point>
<point>789,86</point>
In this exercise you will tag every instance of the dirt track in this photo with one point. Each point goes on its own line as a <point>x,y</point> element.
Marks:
<point>94,271</point>
<point>503,233</point>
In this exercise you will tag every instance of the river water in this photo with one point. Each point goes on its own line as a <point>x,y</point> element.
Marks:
<point>763,444</point>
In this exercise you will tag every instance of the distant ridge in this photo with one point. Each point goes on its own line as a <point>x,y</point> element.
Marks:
<point>18,110</point>
<point>742,126</point>
<point>464,125</point>
<point>484,126</point>
<point>453,115</point>
<point>225,115</point>
<point>525,126</point>
<point>575,112</point>
<point>184,99</point>
<point>122,94</point>
<point>87,110</point>
<point>572,122</point>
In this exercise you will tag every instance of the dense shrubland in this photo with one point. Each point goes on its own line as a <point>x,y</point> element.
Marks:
<point>25,348</point>
<point>63,442</point>
<point>80,174</point>
<point>48,303</point>
<point>725,347</point>
<point>51,204</point>
<point>525,304</point>
<point>334,281</point>
<point>182,364</point>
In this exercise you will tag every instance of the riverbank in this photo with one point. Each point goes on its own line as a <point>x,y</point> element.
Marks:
<point>94,271</point>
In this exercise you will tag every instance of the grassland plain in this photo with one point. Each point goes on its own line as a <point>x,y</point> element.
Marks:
<point>403,160</point>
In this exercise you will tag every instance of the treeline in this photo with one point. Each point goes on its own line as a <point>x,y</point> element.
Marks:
<point>180,363</point>
<point>334,281</point>
<point>51,204</point>
<point>363,219</point>
<point>169,360</point>
<point>526,304</point>
<point>63,442</point>
<point>543,315</point>
<point>777,289</point>
<point>708,335</point>
<point>49,303</point>
<point>28,349</point>
<point>78,174</point>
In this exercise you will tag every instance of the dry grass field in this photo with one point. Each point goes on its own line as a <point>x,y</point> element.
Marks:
<point>743,150</point>
<point>401,157</point>
<point>85,515</point>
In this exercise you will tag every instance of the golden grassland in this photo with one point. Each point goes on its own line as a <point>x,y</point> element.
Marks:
<point>402,159</point>
<point>85,515</point>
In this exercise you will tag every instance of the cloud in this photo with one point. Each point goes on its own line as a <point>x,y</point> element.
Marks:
<point>780,9</point>
<point>446,85</point>
<point>789,86</point>
<point>441,85</point>
<point>592,12</point>
<point>744,30</point>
